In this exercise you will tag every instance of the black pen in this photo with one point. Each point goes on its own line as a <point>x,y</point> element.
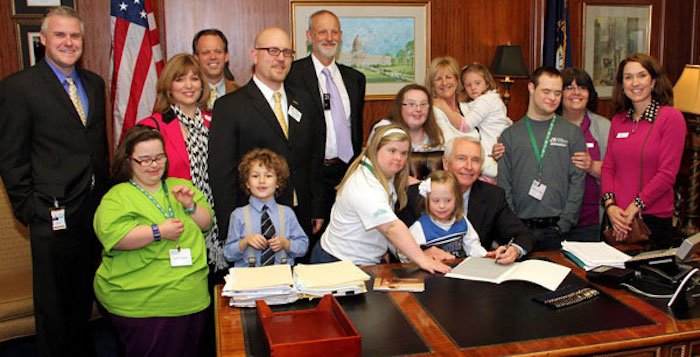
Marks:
<point>510,242</point>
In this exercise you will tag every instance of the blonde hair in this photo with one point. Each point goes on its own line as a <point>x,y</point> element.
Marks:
<point>177,66</point>
<point>449,179</point>
<point>384,135</point>
<point>481,70</point>
<point>450,66</point>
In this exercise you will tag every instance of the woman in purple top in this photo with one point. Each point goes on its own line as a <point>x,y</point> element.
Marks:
<point>645,146</point>
<point>578,104</point>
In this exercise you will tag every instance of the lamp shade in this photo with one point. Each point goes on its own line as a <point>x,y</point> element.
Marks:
<point>509,61</point>
<point>686,92</point>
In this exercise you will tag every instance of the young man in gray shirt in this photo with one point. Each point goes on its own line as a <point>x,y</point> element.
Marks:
<point>542,185</point>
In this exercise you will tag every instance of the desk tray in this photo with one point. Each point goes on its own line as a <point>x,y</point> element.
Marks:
<point>322,331</point>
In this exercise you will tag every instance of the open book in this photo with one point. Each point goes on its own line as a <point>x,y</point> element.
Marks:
<point>548,275</point>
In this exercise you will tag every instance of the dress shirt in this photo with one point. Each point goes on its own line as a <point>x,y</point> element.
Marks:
<point>331,146</point>
<point>220,88</point>
<point>78,85</point>
<point>268,93</point>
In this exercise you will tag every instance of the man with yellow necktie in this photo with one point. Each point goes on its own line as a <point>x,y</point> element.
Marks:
<point>210,49</point>
<point>53,161</point>
<point>267,113</point>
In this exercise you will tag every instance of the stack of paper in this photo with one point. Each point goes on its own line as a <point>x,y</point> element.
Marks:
<point>272,283</point>
<point>590,255</point>
<point>338,278</point>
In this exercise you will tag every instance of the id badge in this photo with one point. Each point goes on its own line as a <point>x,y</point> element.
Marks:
<point>537,190</point>
<point>58,218</point>
<point>326,101</point>
<point>180,258</point>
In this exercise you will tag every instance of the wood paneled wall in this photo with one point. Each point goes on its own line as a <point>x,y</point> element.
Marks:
<point>468,30</point>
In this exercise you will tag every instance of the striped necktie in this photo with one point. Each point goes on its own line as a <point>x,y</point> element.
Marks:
<point>267,229</point>
<point>75,98</point>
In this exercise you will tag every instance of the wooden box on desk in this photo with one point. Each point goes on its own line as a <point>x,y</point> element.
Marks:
<point>322,331</point>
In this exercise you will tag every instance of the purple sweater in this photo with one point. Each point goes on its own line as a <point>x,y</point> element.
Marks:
<point>662,159</point>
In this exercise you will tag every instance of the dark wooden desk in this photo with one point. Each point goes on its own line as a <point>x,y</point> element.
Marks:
<point>666,337</point>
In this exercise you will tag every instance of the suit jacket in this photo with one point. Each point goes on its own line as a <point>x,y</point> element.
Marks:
<point>230,85</point>
<point>303,76</point>
<point>243,120</point>
<point>488,213</point>
<point>45,151</point>
<point>175,146</point>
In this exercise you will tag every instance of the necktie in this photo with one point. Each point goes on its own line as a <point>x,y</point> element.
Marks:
<point>280,115</point>
<point>75,98</point>
<point>213,94</point>
<point>340,122</point>
<point>267,229</point>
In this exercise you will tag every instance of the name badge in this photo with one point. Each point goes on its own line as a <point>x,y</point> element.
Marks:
<point>537,190</point>
<point>590,145</point>
<point>326,101</point>
<point>294,113</point>
<point>180,257</point>
<point>58,218</point>
<point>622,135</point>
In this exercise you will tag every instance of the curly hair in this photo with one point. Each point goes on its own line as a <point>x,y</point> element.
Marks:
<point>265,158</point>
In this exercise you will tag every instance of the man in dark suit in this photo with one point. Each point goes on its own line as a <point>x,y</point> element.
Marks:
<point>266,113</point>
<point>53,161</point>
<point>343,142</point>
<point>485,204</point>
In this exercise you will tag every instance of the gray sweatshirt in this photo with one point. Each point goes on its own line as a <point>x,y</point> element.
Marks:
<point>518,168</point>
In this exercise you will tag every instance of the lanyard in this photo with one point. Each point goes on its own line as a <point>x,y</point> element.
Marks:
<point>368,166</point>
<point>170,213</point>
<point>539,155</point>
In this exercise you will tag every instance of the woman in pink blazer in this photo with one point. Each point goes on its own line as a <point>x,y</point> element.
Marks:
<point>178,115</point>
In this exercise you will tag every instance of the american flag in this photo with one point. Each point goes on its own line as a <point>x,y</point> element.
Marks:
<point>136,62</point>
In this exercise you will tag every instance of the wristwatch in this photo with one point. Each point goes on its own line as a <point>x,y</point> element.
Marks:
<point>156,232</point>
<point>191,210</point>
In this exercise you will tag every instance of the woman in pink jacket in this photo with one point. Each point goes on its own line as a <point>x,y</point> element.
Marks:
<point>178,115</point>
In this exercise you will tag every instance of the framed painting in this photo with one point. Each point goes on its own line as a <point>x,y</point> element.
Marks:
<point>38,7</point>
<point>387,41</point>
<point>31,49</point>
<point>611,33</point>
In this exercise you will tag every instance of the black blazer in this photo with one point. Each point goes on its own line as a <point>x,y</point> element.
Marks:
<point>243,120</point>
<point>488,212</point>
<point>45,151</point>
<point>303,76</point>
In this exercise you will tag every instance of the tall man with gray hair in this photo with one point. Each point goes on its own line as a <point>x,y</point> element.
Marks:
<point>338,92</point>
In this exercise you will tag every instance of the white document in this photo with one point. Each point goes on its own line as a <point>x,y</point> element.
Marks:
<point>546,274</point>
<point>259,278</point>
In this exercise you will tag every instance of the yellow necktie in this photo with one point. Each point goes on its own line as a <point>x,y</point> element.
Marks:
<point>280,114</point>
<point>75,98</point>
<point>213,94</point>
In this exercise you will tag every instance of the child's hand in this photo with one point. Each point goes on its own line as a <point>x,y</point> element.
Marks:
<point>257,241</point>
<point>171,228</point>
<point>184,195</point>
<point>277,243</point>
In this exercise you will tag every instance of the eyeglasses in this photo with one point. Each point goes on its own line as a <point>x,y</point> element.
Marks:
<point>572,88</point>
<point>148,160</point>
<point>274,51</point>
<point>413,106</point>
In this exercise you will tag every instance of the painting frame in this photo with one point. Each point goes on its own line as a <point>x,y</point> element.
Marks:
<point>30,48</point>
<point>611,33</point>
<point>37,7</point>
<point>405,12</point>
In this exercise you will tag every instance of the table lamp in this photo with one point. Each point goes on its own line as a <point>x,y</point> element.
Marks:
<point>509,63</point>
<point>686,98</point>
